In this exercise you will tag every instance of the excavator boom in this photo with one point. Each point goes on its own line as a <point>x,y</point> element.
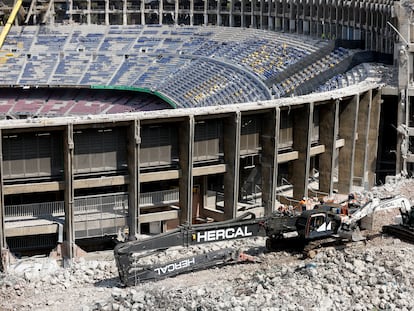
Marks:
<point>132,257</point>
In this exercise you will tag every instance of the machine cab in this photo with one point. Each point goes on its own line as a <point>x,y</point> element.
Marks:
<point>315,224</point>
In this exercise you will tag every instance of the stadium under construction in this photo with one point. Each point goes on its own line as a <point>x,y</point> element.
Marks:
<point>121,118</point>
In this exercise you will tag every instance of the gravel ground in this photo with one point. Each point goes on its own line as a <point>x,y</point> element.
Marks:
<point>375,274</point>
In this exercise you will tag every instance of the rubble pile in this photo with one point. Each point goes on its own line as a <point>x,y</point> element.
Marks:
<point>372,275</point>
<point>362,277</point>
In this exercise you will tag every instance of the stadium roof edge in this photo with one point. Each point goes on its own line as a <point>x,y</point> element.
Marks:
<point>171,102</point>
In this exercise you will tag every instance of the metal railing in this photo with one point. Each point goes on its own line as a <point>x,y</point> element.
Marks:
<point>44,210</point>
<point>159,198</point>
<point>100,215</point>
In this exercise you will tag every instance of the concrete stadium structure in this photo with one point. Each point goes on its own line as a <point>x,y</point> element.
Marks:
<point>136,116</point>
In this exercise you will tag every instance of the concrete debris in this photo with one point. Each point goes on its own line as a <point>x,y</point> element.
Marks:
<point>372,275</point>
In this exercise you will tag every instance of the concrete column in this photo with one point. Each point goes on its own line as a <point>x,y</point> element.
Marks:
<point>3,243</point>
<point>124,14</point>
<point>69,193</point>
<point>160,11</point>
<point>206,12</point>
<point>191,12</point>
<point>203,190</point>
<point>302,135</point>
<point>142,12</point>
<point>362,145</point>
<point>252,17</point>
<point>328,132</point>
<point>371,158</point>
<point>134,142</point>
<point>261,14</point>
<point>231,144</point>
<point>88,16</point>
<point>348,131</point>
<point>242,17</point>
<point>270,19</point>
<point>218,13</point>
<point>106,12</point>
<point>231,13</point>
<point>70,9</point>
<point>185,183</point>
<point>177,7</point>
<point>269,141</point>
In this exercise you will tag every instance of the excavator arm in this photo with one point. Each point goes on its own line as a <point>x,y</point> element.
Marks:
<point>349,228</point>
<point>142,260</point>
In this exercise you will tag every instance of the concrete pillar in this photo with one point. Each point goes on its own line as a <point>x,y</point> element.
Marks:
<point>124,14</point>
<point>218,13</point>
<point>88,16</point>
<point>204,191</point>
<point>142,12</point>
<point>106,12</point>
<point>362,145</point>
<point>70,10</point>
<point>191,12</point>
<point>206,12</point>
<point>231,13</point>
<point>328,132</point>
<point>231,144</point>
<point>348,131</point>
<point>185,183</point>
<point>177,7</point>
<point>134,142</point>
<point>269,141</point>
<point>3,243</point>
<point>371,158</point>
<point>252,17</point>
<point>302,135</point>
<point>69,194</point>
<point>160,11</point>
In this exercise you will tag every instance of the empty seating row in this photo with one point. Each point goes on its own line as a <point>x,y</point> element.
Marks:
<point>192,65</point>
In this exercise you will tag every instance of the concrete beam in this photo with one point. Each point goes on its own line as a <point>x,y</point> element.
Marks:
<point>210,170</point>
<point>34,188</point>
<point>100,182</point>
<point>287,156</point>
<point>22,230</point>
<point>158,216</point>
<point>159,176</point>
<point>54,186</point>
